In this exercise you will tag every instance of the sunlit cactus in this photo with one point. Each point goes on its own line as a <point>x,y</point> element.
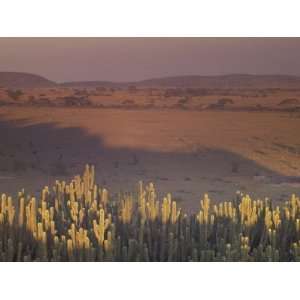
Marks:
<point>70,248</point>
<point>77,221</point>
<point>174,213</point>
<point>126,209</point>
<point>104,197</point>
<point>32,215</point>
<point>166,209</point>
<point>21,211</point>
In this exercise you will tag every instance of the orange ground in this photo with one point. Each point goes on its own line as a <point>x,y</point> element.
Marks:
<point>187,153</point>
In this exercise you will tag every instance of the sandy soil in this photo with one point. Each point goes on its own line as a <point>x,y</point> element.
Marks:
<point>183,152</point>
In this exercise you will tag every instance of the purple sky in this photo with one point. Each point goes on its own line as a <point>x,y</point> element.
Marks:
<point>125,59</point>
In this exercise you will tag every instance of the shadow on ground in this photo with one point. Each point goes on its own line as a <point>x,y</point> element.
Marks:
<point>32,156</point>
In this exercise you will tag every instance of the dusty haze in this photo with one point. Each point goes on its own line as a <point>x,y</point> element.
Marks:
<point>126,59</point>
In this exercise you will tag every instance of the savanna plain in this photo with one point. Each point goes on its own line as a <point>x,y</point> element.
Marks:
<point>173,174</point>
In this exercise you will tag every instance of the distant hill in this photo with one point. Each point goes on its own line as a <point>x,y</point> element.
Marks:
<point>234,81</point>
<point>95,84</point>
<point>17,80</point>
<point>227,81</point>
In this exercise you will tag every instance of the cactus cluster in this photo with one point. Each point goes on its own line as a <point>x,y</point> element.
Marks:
<point>81,221</point>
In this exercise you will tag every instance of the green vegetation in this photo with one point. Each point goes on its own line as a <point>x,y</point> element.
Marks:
<point>14,94</point>
<point>81,222</point>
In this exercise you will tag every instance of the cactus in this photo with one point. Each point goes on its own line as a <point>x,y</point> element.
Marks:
<point>78,222</point>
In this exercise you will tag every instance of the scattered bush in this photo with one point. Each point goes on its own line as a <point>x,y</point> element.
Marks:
<point>289,101</point>
<point>225,101</point>
<point>183,101</point>
<point>220,104</point>
<point>14,94</point>
<point>129,103</point>
<point>76,101</point>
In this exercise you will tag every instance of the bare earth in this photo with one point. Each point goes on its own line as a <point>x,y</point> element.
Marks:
<point>186,153</point>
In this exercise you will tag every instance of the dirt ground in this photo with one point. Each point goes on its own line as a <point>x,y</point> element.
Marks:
<point>187,153</point>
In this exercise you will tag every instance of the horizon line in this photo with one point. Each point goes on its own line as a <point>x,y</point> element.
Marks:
<point>157,77</point>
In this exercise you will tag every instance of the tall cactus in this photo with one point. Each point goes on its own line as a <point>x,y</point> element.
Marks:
<point>77,221</point>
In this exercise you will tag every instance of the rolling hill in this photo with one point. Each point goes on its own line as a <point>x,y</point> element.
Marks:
<point>17,80</point>
<point>234,81</point>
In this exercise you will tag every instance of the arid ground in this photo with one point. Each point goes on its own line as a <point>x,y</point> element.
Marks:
<point>185,152</point>
<point>189,135</point>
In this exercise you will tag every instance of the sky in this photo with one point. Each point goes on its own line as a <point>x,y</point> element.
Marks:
<point>129,59</point>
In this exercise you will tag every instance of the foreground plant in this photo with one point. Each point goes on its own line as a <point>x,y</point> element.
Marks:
<point>79,221</point>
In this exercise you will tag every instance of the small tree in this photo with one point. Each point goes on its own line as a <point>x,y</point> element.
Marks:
<point>14,94</point>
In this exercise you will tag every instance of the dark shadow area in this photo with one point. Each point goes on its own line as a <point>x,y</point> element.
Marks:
<point>32,156</point>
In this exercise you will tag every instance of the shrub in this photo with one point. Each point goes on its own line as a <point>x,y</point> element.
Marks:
<point>14,94</point>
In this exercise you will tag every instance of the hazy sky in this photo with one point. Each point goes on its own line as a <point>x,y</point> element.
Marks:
<point>125,59</point>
